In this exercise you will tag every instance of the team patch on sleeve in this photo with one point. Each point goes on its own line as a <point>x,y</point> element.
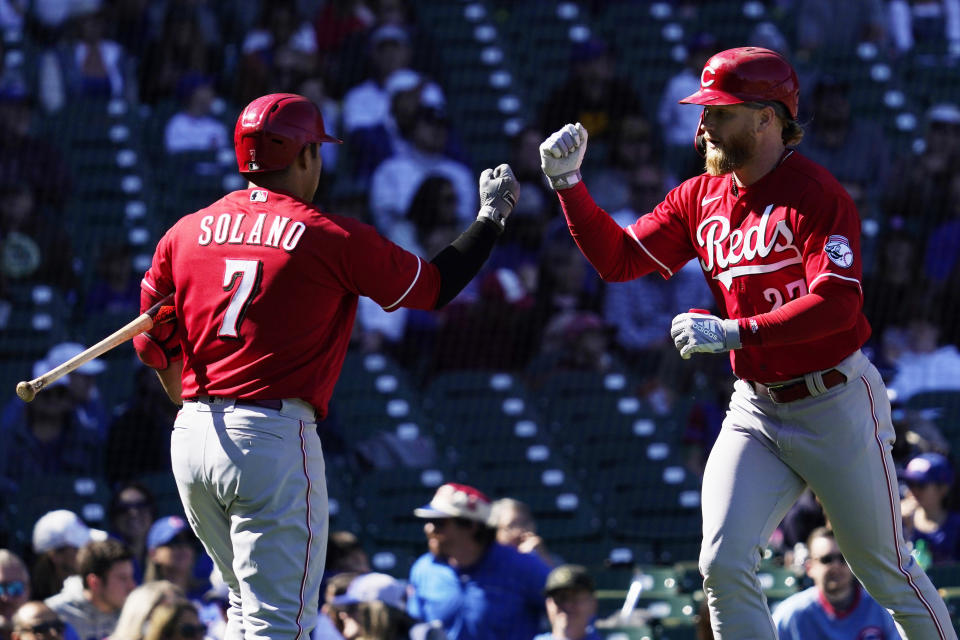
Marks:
<point>838,250</point>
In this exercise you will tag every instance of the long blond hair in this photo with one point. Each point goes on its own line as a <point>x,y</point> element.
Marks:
<point>164,618</point>
<point>140,604</point>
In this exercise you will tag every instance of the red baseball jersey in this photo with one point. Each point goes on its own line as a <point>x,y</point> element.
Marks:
<point>266,287</point>
<point>760,247</point>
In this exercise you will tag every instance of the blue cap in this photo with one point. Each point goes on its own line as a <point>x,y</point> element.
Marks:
<point>164,530</point>
<point>927,468</point>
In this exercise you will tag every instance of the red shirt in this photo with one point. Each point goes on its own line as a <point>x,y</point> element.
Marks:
<point>790,233</point>
<point>266,290</point>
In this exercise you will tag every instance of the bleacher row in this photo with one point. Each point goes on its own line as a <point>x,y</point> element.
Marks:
<point>602,473</point>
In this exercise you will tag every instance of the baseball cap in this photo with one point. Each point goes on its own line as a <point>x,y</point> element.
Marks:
<point>454,500</point>
<point>568,576</point>
<point>63,528</point>
<point>389,32</point>
<point>928,467</point>
<point>944,112</point>
<point>373,586</point>
<point>164,530</point>
<point>60,353</point>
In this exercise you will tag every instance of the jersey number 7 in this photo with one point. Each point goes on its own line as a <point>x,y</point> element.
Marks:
<point>249,273</point>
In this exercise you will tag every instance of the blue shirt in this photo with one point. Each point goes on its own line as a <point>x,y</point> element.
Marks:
<point>498,598</point>
<point>944,543</point>
<point>807,615</point>
<point>591,635</point>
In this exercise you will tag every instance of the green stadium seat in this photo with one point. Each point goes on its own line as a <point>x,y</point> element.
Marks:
<point>777,582</point>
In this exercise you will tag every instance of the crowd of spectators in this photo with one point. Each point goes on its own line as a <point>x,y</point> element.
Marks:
<point>376,72</point>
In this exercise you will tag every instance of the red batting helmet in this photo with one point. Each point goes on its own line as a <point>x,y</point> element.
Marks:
<point>747,74</point>
<point>273,129</point>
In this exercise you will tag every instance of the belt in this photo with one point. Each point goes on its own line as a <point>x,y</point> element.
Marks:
<point>276,405</point>
<point>793,391</point>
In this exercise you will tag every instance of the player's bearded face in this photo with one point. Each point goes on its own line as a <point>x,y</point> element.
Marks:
<point>730,151</point>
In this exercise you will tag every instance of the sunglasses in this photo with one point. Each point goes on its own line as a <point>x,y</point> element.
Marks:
<point>53,626</point>
<point>830,558</point>
<point>132,506</point>
<point>192,630</point>
<point>12,589</point>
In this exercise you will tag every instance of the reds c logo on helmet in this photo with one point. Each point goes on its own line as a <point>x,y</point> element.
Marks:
<point>272,130</point>
<point>748,74</point>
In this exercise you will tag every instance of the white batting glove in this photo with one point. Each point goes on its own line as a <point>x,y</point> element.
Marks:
<point>699,332</point>
<point>499,191</point>
<point>561,155</point>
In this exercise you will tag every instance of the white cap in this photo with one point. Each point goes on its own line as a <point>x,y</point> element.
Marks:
<point>370,587</point>
<point>63,528</point>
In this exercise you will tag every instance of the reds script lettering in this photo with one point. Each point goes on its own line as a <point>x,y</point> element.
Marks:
<point>713,233</point>
<point>228,231</point>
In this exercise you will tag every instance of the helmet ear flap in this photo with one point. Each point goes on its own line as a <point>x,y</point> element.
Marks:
<point>699,141</point>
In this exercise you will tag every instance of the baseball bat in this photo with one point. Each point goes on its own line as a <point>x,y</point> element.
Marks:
<point>158,313</point>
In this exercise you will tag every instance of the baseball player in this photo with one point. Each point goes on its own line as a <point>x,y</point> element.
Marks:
<point>778,240</point>
<point>265,288</point>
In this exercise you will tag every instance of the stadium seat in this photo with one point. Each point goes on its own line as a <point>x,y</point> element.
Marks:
<point>640,632</point>
<point>777,582</point>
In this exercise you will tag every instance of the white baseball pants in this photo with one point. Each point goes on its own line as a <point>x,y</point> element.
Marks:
<point>838,442</point>
<point>253,486</point>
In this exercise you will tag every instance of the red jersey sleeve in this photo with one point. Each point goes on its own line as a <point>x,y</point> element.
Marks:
<point>831,242</point>
<point>388,274</point>
<point>614,252</point>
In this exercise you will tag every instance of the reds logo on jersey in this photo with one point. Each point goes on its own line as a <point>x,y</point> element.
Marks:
<point>838,250</point>
<point>728,249</point>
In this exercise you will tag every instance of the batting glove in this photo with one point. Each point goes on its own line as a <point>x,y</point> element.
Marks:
<point>561,155</point>
<point>499,191</point>
<point>699,332</point>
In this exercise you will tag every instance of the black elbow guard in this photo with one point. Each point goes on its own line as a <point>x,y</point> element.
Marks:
<point>460,261</point>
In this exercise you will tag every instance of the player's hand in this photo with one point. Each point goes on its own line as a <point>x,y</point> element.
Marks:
<point>499,191</point>
<point>561,155</point>
<point>699,332</point>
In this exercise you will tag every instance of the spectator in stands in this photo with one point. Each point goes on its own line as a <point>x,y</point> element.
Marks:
<point>367,104</point>
<point>14,589</point>
<point>921,192</point>
<point>942,254</point>
<point>49,436</point>
<point>897,275</point>
<point>316,89</point>
<point>925,363</point>
<point>194,128</point>
<point>172,555</point>
<point>396,181</point>
<point>329,623</point>
<point>139,436</point>
<point>593,94</point>
<point>571,604</point>
<point>34,620</point>
<point>277,53</point>
<point>824,26</point>
<point>57,536</point>
<point>27,159</point>
<point>475,586</point>
<point>345,552</point>
<point>35,247</point>
<point>132,511</point>
<point>140,604</point>
<point>176,621</point>
<point>926,515</point>
<point>374,606</point>
<point>632,149</point>
<point>836,605</point>
<point>935,24</point>
<point>92,65</point>
<point>853,149</point>
<point>804,517</point>
<point>180,46</point>
<point>574,341</point>
<point>105,570</point>
<point>516,528</point>
<point>116,289</point>
<point>675,121</point>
